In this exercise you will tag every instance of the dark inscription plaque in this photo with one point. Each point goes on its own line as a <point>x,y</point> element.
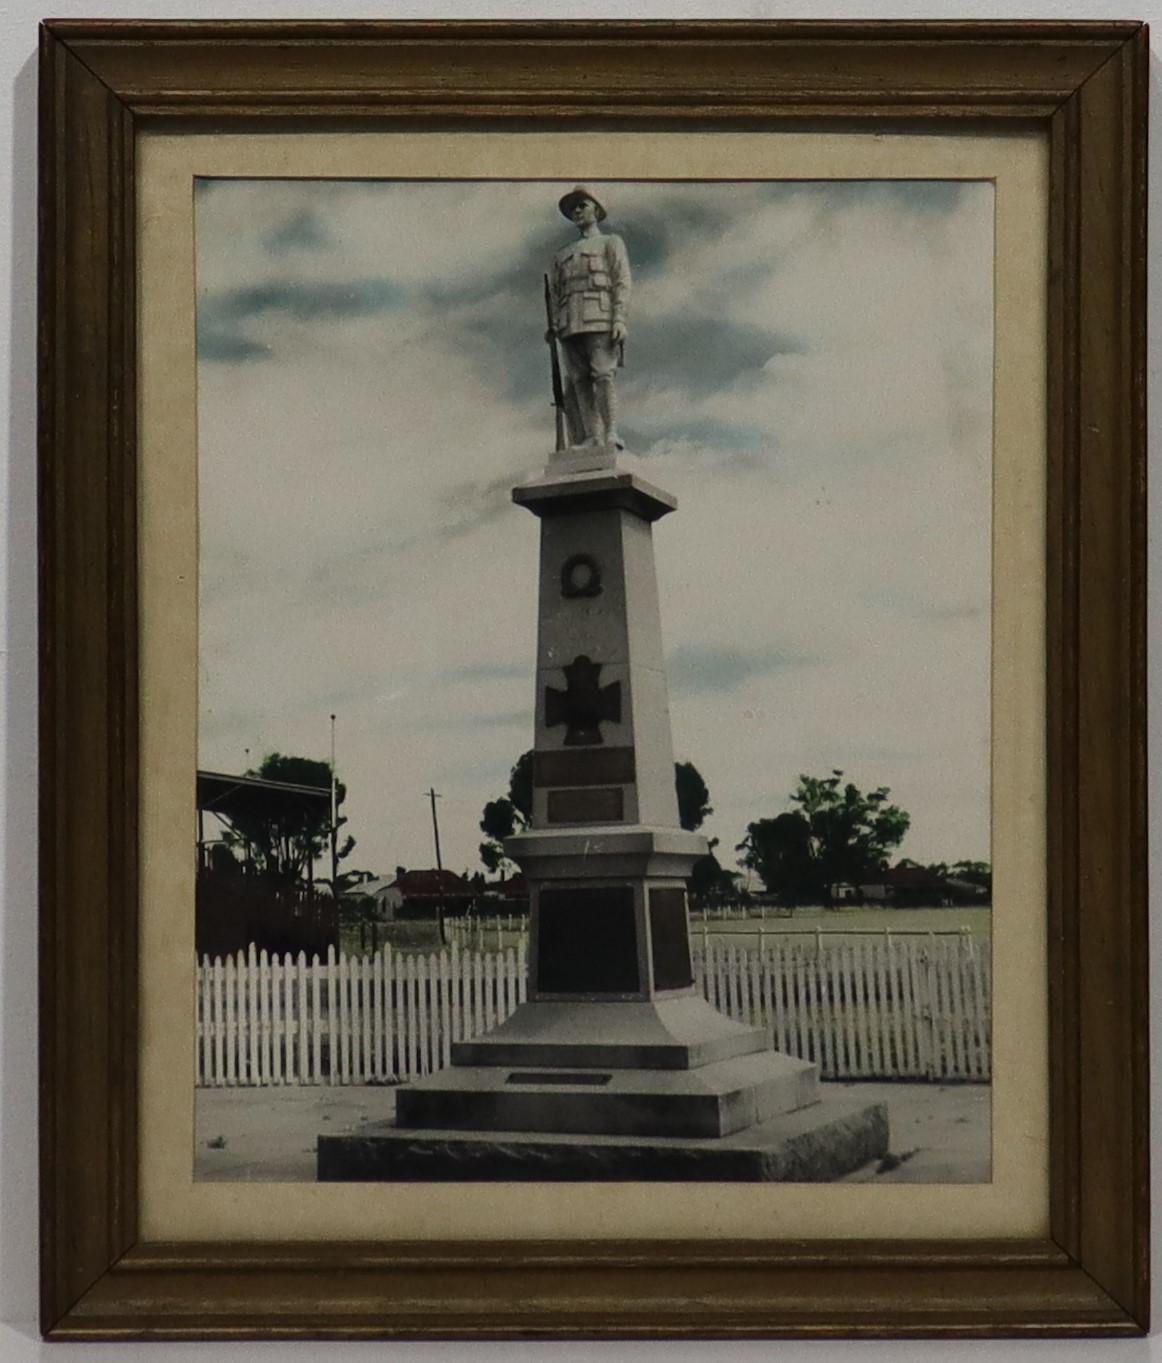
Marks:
<point>595,805</point>
<point>587,941</point>
<point>601,767</point>
<point>670,939</point>
<point>556,1077</point>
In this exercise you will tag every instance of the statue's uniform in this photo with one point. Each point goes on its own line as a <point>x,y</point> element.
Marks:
<point>590,292</point>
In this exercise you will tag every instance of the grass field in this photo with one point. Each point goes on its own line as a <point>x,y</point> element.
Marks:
<point>808,921</point>
<point>417,934</point>
<point>422,936</point>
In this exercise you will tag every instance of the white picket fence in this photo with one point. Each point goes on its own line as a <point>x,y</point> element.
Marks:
<point>475,933</point>
<point>865,1006</point>
<point>861,1008</point>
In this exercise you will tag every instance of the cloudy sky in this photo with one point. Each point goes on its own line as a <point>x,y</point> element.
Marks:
<point>808,369</point>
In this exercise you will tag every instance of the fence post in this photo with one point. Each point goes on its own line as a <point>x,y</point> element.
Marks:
<point>201,986</point>
<point>445,990</point>
<point>934,1052</point>
<point>276,1071</point>
<point>301,1017</point>
<point>332,1014</point>
<point>366,1003</point>
<point>231,1024</point>
<point>390,1014</point>
<point>251,986</point>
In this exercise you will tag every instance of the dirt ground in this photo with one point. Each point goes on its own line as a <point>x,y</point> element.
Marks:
<point>939,1133</point>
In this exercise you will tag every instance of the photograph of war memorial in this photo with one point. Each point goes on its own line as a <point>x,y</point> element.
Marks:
<point>594,681</point>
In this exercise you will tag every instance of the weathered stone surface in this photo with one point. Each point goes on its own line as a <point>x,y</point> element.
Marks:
<point>557,495</point>
<point>712,1100</point>
<point>591,458</point>
<point>676,1033</point>
<point>669,937</point>
<point>605,852</point>
<point>600,657</point>
<point>814,1145</point>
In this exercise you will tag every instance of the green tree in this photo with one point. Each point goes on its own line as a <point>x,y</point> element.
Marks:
<point>710,883</point>
<point>499,822</point>
<point>520,787</point>
<point>284,843</point>
<point>508,814</point>
<point>693,797</point>
<point>780,851</point>
<point>837,834</point>
<point>511,813</point>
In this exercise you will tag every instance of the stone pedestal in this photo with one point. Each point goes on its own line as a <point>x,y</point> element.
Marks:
<point>615,1066</point>
<point>812,1145</point>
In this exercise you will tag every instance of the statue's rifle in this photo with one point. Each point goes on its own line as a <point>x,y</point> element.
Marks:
<point>558,389</point>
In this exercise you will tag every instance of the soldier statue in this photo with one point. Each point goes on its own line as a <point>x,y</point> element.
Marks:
<point>588,298</point>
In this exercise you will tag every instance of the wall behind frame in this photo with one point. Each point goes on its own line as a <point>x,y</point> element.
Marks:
<point>18,1167</point>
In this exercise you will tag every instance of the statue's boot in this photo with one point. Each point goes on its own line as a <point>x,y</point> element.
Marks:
<point>605,400</point>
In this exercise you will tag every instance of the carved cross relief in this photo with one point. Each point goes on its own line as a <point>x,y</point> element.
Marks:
<point>584,704</point>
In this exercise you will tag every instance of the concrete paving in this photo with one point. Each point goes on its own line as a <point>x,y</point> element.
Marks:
<point>939,1133</point>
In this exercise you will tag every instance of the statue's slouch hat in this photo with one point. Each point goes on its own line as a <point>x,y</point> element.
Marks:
<point>567,201</point>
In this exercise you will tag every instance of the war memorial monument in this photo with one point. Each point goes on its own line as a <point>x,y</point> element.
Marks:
<point>615,1068</point>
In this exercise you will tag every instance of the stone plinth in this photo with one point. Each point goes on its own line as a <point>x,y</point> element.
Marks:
<point>614,1067</point>
<point>816,1144</point>
<point>671,1033</point>
<point>712,1100</point>
<point>603,752</point>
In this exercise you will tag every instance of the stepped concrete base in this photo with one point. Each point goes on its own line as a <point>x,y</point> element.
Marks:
<point>677,1033</point>
<point>816,1144</point>
<point>712,1100</point>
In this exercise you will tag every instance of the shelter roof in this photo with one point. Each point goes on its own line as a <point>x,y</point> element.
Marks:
<point>235,796</point>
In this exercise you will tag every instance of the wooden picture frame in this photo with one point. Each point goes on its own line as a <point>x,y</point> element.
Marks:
<point>1084,86</point>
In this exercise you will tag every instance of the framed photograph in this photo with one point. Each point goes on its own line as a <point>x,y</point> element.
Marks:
<point>713,904</point>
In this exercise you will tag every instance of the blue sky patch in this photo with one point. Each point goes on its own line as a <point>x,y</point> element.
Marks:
<point>696,668</point>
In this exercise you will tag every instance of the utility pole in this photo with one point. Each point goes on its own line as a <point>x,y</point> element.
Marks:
<point>248,864</point>
<point>334,823</point>
<point>434,795</point>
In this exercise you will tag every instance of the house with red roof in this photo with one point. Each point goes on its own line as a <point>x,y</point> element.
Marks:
<point>420,894</point>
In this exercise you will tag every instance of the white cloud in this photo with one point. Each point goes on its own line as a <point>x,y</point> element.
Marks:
<point>361,555</point>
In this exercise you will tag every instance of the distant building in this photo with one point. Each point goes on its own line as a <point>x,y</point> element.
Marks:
<point>375,889</point>
<point>968,891</point>
<point>504,896</point>
<point>418,894</point>
<point>904,887</point>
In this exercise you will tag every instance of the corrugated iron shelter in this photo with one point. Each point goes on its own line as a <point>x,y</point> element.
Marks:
<point>232,796</point>
<point>236,905</point>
